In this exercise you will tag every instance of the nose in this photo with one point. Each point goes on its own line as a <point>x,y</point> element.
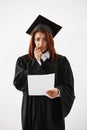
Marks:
<point>40,42</point>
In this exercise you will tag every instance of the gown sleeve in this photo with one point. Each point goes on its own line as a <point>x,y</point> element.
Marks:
<point>20,77</point>
<point>67,88</point>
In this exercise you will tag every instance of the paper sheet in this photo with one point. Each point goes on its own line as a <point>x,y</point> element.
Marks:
<point>39,84</point>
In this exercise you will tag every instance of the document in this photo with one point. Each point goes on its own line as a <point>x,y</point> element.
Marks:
<point>39,84</point>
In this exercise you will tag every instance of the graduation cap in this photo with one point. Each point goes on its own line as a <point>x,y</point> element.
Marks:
<point>42,23</point>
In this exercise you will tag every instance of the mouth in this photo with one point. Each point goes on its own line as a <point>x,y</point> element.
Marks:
<point>41,48</point>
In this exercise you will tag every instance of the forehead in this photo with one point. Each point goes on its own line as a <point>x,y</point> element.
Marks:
<point>40,34</point>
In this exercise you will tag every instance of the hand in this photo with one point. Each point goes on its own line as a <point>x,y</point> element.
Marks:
<point>37,53</point>
<point>53,93</point>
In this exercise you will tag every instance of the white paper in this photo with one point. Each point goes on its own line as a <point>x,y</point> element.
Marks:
<point>39,84</point>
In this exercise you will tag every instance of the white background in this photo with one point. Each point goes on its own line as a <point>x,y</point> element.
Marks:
<point>15,18</point>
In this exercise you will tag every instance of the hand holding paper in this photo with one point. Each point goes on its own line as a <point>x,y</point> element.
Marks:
<point>39,84</point>
<point>52,93</point>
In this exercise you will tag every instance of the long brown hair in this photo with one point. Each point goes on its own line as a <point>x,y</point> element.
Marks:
<point>50,44</point>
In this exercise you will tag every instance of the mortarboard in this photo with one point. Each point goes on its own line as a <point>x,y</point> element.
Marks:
<point>44,24</point>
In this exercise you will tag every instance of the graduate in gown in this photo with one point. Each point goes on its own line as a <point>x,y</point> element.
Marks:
<point>46,112</point>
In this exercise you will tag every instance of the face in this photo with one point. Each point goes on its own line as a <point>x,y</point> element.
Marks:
<point>41,41</point>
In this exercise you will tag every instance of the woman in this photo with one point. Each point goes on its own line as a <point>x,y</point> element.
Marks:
<point>44,112</point>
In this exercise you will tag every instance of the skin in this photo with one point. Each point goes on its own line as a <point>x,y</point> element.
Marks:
<point>41,47</point>
<point>41,44</point>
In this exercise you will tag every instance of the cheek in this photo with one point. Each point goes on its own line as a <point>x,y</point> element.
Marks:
<point>46,46</point>
<point>36,44</point>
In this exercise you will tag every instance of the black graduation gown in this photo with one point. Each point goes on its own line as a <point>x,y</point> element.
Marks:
<point>41,112</point>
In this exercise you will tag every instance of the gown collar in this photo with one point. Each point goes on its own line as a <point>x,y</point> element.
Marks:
<point>45,55</point>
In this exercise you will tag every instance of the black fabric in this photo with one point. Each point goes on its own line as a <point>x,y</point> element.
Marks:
<point>41,112</point>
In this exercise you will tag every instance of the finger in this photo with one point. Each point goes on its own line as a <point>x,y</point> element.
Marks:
<point>49,96</point>
<point>35,48</point>
<point>51,93</point>
<point>38,48</point>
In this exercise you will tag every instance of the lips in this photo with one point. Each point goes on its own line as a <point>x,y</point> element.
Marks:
<point>40,47</point>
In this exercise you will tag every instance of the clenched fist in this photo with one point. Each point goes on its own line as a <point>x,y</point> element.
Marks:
<point>53,93</point>
<point>37,53</point>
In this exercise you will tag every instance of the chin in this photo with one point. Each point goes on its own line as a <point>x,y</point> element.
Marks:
<point>43,51</point>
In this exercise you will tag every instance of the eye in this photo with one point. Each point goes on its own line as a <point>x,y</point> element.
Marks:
<point>37,39</point>
<point>44,39</point>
